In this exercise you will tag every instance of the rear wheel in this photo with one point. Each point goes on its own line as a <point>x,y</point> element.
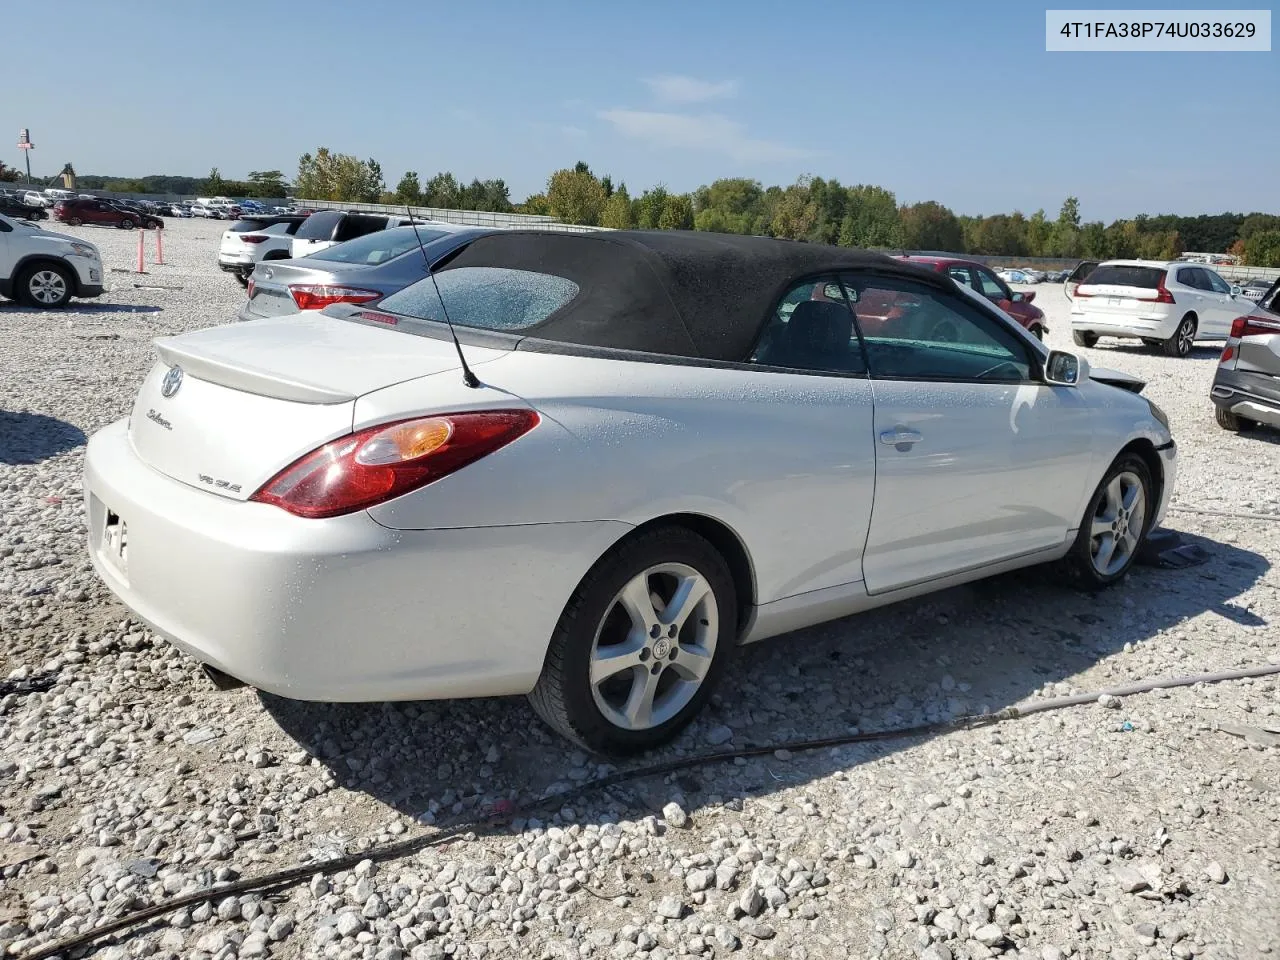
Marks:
<point>74,221</point>
<point>1114,525</point>
<point>1230,421</point>
<point>126,224</point>
<point>1179,345</point>
<point>1038,332</point>
<point>45,285</point>
<point>1083,338</point>
<point>641,643</point>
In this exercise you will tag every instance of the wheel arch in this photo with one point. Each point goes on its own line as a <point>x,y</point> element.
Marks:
<point>727,543</point>
<point>43,259</point>
<point>1145,449</point>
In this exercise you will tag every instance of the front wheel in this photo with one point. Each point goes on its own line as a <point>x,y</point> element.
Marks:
<point>1083,338</point>
<point>1114,525</point>
<point>640,644</point>
<point>1179,345</point>
<point>127,224</point>
<point>45,286</point>
<point>74,221</point>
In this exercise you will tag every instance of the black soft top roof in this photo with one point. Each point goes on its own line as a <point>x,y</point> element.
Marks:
<point>681,293</point>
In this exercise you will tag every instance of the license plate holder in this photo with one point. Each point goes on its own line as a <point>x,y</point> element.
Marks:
<point>115,541</point>
<point>1115,301</point>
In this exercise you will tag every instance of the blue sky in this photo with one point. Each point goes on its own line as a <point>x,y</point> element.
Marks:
<point>945,101</point>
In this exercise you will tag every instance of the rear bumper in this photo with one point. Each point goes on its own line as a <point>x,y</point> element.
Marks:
<point>1249,395</point>
<point>1150,326</point>
<point>342,609</point>
<point>236,266</point>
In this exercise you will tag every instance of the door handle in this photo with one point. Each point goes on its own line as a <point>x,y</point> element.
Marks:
<point>900,436</point>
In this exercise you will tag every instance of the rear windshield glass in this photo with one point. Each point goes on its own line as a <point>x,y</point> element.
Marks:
<point>376,247</point>
<point>1122,275</point>
<point>490,298</point>
<point>319,226</point>
<point>248,226</point>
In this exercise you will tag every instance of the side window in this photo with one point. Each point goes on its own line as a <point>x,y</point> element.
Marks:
<point>914,332</point>
<point>1187,276</point>
<point>811,329</point>
<point>990,287</point>
<point>961,274</point>
<point>1219,285</point>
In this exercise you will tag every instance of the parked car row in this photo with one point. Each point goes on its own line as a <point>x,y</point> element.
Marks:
<point>107,213</point>
<point>14,203</point>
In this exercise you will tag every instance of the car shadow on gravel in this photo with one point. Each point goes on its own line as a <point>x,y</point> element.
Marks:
<point>966,650</point>
<point>27,438</point>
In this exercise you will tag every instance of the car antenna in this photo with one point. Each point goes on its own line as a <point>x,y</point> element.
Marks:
<point>469,378</point>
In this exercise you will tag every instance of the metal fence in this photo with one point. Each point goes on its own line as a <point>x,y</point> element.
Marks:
<point>471,218</point>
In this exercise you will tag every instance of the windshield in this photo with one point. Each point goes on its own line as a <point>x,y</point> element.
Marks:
<point>375,248</point>
<point>488,298</point>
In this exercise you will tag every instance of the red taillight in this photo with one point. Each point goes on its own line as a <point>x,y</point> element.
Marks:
<point>1078,293</point>
<point>1251,325</point>
<point>391,459</point>
<point>314,296</point>
<point>252,237</point>
<point>1162,293</point>
<point>1228,352</point>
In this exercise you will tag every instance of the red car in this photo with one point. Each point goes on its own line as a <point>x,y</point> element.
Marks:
<point>103,212</point>
<point>980,278</point>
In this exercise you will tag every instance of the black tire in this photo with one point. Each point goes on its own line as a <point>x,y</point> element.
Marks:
<point>1079,561</point>
<point>243,279</point>
<point>126,224</point>
<point>564,696</point>
<point>1083,338</point>
<point>1148,341</point>
<point>1230,421</point>
<point>34,288</point>
<point>74,221</point>
<point>1184,335</point>
<point>1038,332</point>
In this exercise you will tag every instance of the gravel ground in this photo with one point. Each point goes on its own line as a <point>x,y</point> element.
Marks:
<point>1141,830</point>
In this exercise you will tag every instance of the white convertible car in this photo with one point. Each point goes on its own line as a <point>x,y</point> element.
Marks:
<point>660,446</point>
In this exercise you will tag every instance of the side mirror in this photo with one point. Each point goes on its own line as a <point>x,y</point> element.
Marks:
<point>1236,289</point>
<point>1064,369</point>
<point>1017,297</point>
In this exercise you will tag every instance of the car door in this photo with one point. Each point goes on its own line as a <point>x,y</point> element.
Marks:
<point>811,507</point>
<point>993,288</point>
<point>1226,306</point>
<point>977,460</point>
<point>8,255</point>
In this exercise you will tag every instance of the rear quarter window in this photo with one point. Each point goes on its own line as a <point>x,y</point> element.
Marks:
<point>486,298</point>
<point>1125,275</point>
<point>359,225</point>
<point>321,225</point>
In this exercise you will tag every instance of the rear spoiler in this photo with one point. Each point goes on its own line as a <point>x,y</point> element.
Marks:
<point>1117,378</point>
<point>239,376</point>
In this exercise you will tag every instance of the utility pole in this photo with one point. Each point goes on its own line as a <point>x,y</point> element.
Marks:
<point>26,146</point>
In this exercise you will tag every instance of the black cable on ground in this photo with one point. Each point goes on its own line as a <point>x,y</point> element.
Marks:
<point>402,848</point>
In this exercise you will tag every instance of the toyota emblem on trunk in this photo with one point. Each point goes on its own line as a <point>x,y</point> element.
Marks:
<point>172,381</point>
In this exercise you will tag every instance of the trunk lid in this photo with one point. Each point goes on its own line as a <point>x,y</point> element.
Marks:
<point>254,397</point>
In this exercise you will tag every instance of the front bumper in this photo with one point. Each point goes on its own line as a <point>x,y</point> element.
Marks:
<point>89,274</point>
<point>342,609</point>
<point>1253,396</point>
<point>1169,469</point>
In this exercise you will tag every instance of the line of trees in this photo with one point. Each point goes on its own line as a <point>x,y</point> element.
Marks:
<point>811,209</point>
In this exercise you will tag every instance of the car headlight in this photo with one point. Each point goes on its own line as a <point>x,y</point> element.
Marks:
<point>83,250</point>
<point>1159,414</point>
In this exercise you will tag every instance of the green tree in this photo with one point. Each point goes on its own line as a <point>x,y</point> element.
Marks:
<point>930,226</point>
<point>734,205</point>
<point>647,210</point>
<point>870,219</point>
<point>267,183</point>
<point>408,190</point>
<point>337,176</point>
<point>8,174</point>
<point>617,210</point>
<point>536,205</point>
<point>443,191</point>
<point>1262,248</point>
<point>795,214</point>
<point>576,196</point>
<point>1066,231</point>
<point>214,184</point>
<point>677,213</point>
<point>1039,232</point>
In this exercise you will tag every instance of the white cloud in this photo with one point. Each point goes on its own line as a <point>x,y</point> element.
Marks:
<point>710,132</point>
<point>680,89</point>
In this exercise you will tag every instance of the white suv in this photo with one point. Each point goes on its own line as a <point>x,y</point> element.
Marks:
<point>45,269</point>
<point>250,240</point>
<point>1166,305</point>
<point>324,228</point>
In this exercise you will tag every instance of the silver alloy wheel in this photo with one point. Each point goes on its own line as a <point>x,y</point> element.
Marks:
<point>1186,336</point>
<point>1118,523</point>
<point>654,646</point>
<point>47,287</point>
